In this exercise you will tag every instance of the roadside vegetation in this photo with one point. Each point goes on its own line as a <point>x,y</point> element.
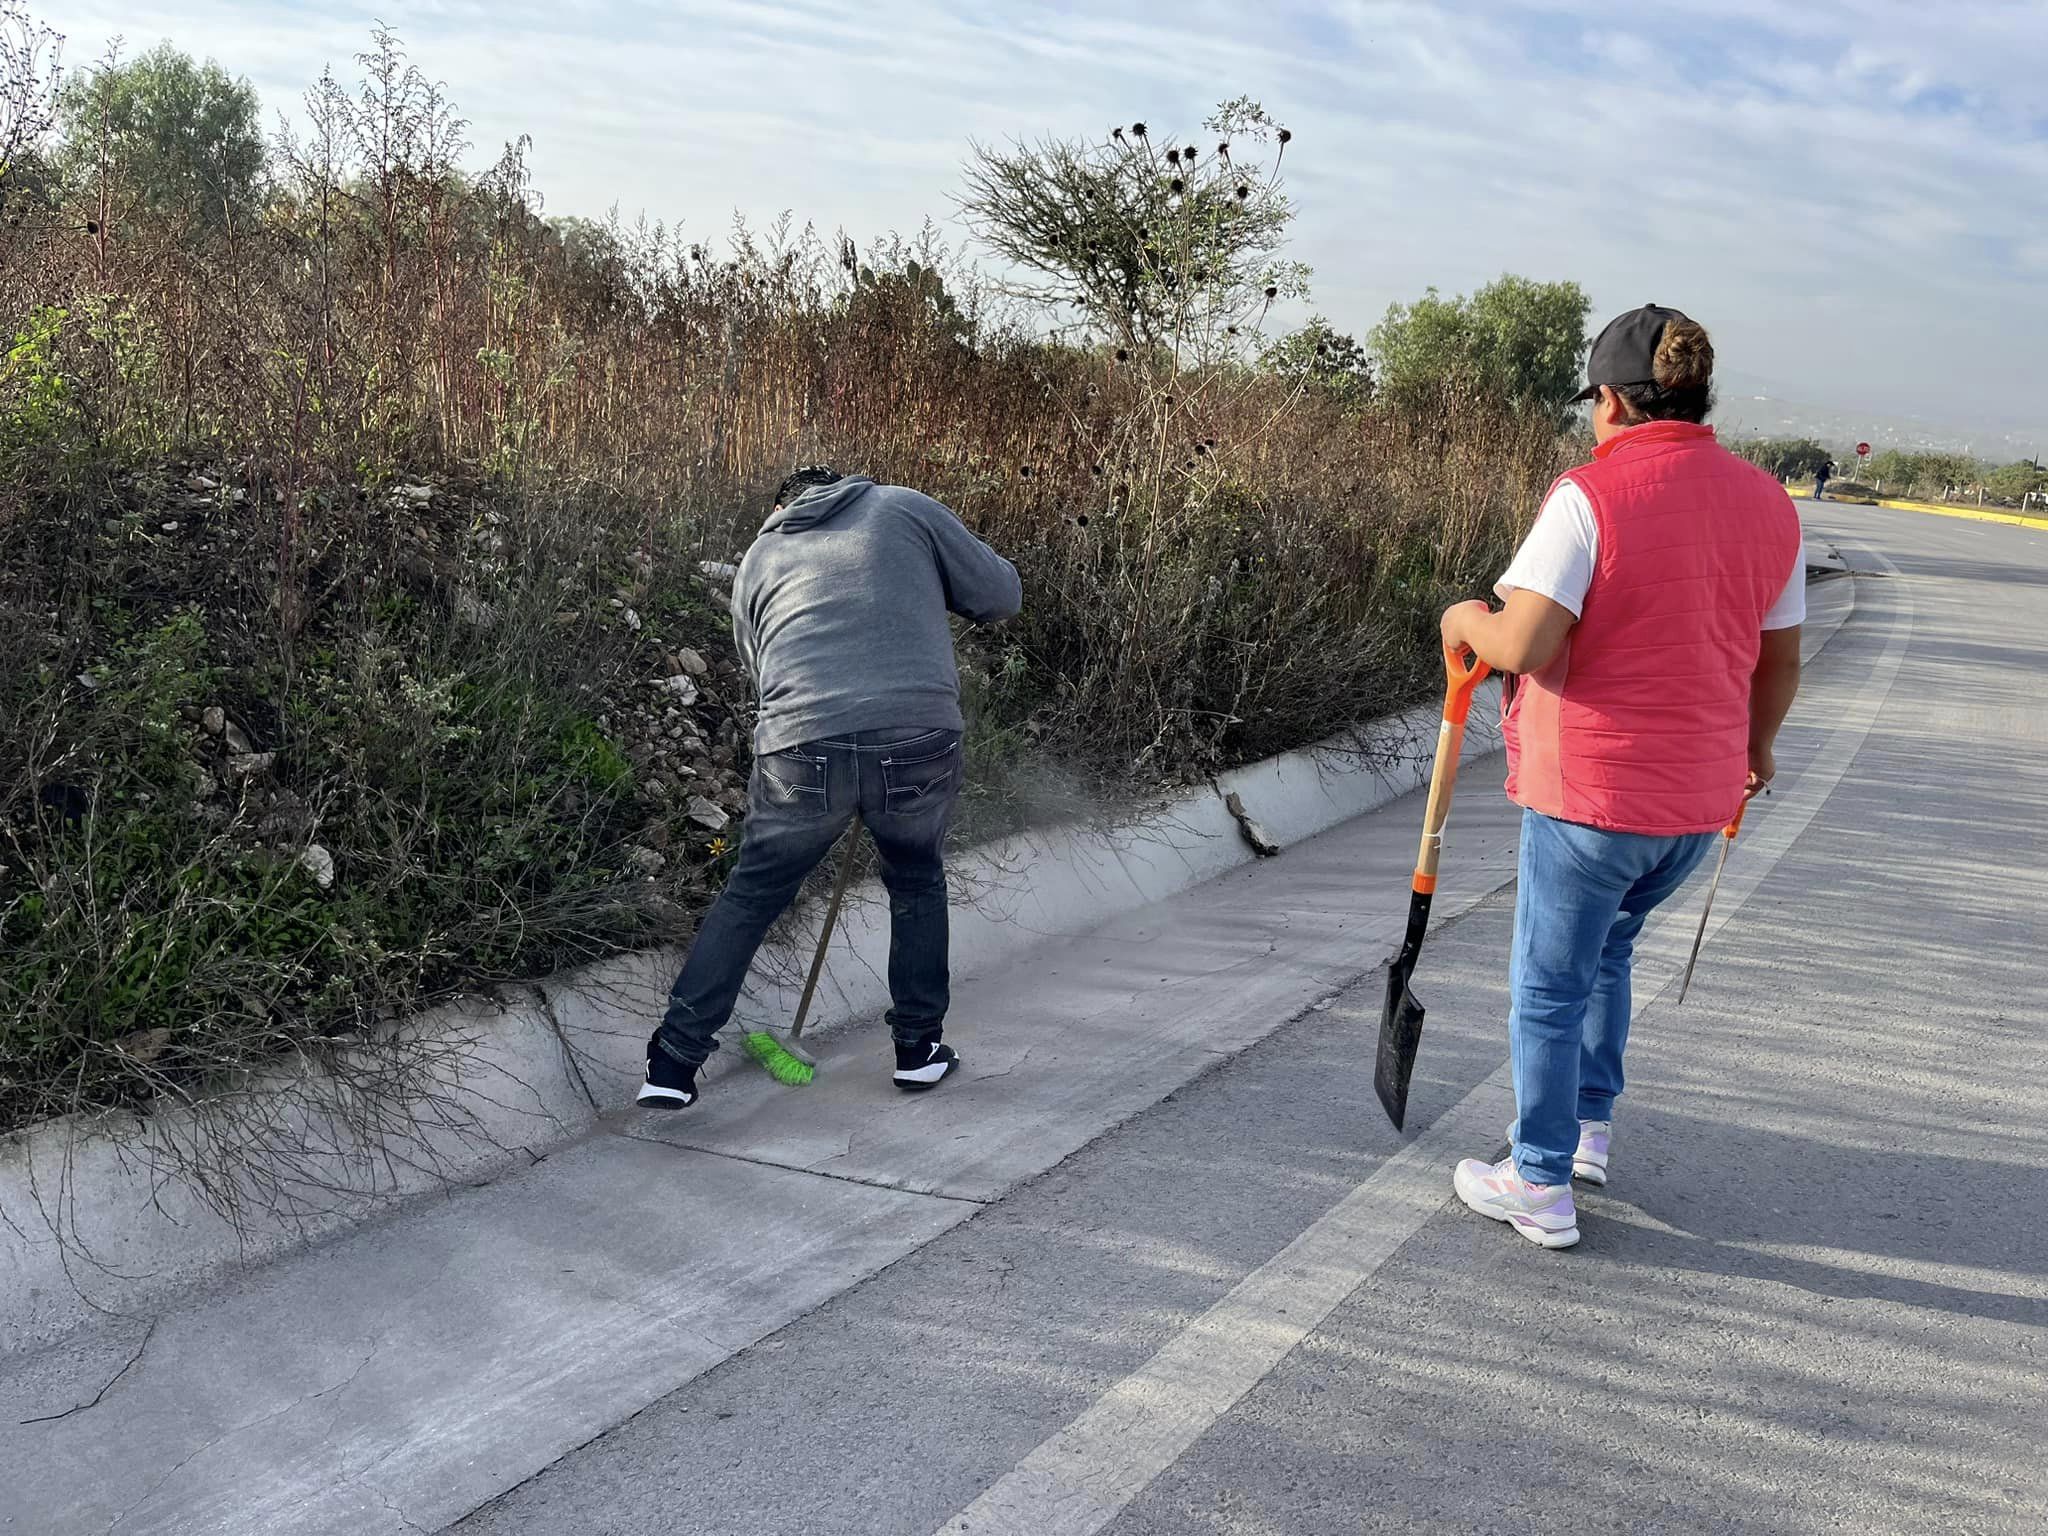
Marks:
<point>1927,476</point>
<point>361,634</point>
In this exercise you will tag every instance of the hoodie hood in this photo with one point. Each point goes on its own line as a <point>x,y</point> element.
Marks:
<point>818,505</point>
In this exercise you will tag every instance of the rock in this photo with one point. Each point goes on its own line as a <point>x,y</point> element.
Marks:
<point>319,863</point>
<point>203,483</point>
<point>145,1045</point>
<point>689,661</point>
<point>683,686</point>
<point>718,570</point>
<point>632,621</point>
<point>1254,834</point>
<point>245,765</point>
<point>646,860</point>
<point>707,814</point>
<point>213,720</point>
<point>418,495</point>
<point>237,741</point>
<point>170,527</point>
<point>88,682</point>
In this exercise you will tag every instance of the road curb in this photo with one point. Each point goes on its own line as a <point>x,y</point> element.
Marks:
<point>93,1220</point>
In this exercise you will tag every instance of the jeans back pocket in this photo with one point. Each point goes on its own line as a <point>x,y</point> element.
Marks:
<point>791,780</point>
<point>922,774</point>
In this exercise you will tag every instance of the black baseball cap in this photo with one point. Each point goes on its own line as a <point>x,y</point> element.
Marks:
<point>1626,351</point>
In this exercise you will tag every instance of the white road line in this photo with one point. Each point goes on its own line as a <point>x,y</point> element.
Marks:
<point>1082,1477</point>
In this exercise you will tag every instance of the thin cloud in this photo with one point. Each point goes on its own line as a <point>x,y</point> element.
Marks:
<point>1845,190</point>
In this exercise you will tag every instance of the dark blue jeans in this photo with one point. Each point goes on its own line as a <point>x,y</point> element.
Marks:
<point>904,784</point>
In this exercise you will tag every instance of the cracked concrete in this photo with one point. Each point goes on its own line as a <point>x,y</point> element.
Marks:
<point>535,1303</point>
<point>540,1310</point>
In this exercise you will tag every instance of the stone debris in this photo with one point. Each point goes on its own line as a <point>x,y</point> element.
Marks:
<point>319,863</point>
<point>1254,834</point>
<point>708,814</point>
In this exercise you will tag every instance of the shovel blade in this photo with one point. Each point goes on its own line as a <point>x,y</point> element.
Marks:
<point>1400,1035</point>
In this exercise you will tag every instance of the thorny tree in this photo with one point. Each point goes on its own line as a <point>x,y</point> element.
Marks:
<point>1153,242</point>
<point>30,79</point>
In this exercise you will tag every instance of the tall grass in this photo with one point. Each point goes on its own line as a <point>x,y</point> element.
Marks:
<point>213,435</point>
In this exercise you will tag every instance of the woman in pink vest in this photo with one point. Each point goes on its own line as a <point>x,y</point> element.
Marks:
<point>1652,621</point>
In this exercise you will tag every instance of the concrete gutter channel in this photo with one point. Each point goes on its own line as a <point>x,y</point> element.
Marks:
<point>1113,999</point>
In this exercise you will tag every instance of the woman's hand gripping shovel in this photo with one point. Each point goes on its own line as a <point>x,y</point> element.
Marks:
<point>1401,1018</point>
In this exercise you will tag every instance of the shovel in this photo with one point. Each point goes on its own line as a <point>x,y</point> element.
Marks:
<point>1401,1018</point>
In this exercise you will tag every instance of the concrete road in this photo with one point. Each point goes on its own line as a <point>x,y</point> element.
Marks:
<point>1159,1265</point>
<point>1814,1297</point>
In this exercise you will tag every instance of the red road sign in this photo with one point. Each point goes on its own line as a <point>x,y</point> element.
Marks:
<point>1863,450</point>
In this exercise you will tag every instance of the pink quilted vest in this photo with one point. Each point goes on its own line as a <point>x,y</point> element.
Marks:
<point>1641,722</point>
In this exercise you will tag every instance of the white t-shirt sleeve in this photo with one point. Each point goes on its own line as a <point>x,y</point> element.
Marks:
<point>1558,558</point>
<point>1790,608</point>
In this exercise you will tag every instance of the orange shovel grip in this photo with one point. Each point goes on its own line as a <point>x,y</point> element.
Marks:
<point>1460,682</point>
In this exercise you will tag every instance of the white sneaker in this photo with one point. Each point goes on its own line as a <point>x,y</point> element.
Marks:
<point>1543,1213</point>
<point>1590,1161</point>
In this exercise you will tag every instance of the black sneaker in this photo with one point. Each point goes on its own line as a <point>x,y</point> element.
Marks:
<point>923,1066</point>
<point>669,1085</point>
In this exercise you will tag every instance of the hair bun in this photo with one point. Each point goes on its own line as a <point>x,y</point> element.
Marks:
<point>1685,358</point>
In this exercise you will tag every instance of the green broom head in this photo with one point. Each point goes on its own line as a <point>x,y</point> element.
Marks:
<point>778,1060</point>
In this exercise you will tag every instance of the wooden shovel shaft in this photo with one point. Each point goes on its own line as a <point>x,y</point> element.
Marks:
<point>1443,778</point>
<point>846,862</point>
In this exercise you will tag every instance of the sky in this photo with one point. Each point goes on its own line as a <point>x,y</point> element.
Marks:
<point>1852,195</point>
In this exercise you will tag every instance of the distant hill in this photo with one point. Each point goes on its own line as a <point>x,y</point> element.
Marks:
<point>1748,410</point>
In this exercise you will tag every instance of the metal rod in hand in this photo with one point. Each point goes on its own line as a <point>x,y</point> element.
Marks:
<point>846,861</point>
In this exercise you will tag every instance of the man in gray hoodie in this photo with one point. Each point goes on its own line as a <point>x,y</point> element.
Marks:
<point>839,611</point>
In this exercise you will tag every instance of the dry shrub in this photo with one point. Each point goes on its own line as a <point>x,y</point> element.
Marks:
<point>206,435</point>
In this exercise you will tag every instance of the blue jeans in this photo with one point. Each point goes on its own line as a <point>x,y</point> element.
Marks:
<point>904,784</point>
<point>1582,898</point>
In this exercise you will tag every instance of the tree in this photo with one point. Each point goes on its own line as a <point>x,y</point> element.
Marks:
<point>1155,242</point>
<point>2016,482</point>
<point>1943,473</point>
<point>1893,470</point>
<point>1519,340</point>
<point>181,138</point>
<point>1789,458</point>
<point>1327,358</point>
<point>31,77</point>
<point>1925,474</point>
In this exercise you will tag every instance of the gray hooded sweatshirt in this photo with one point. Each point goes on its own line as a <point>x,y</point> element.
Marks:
<point>840,612</point>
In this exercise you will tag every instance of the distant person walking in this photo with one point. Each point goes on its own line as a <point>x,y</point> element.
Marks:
<point>839,611</point>
<point>1821,477</point>
<point>1653,617</point>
